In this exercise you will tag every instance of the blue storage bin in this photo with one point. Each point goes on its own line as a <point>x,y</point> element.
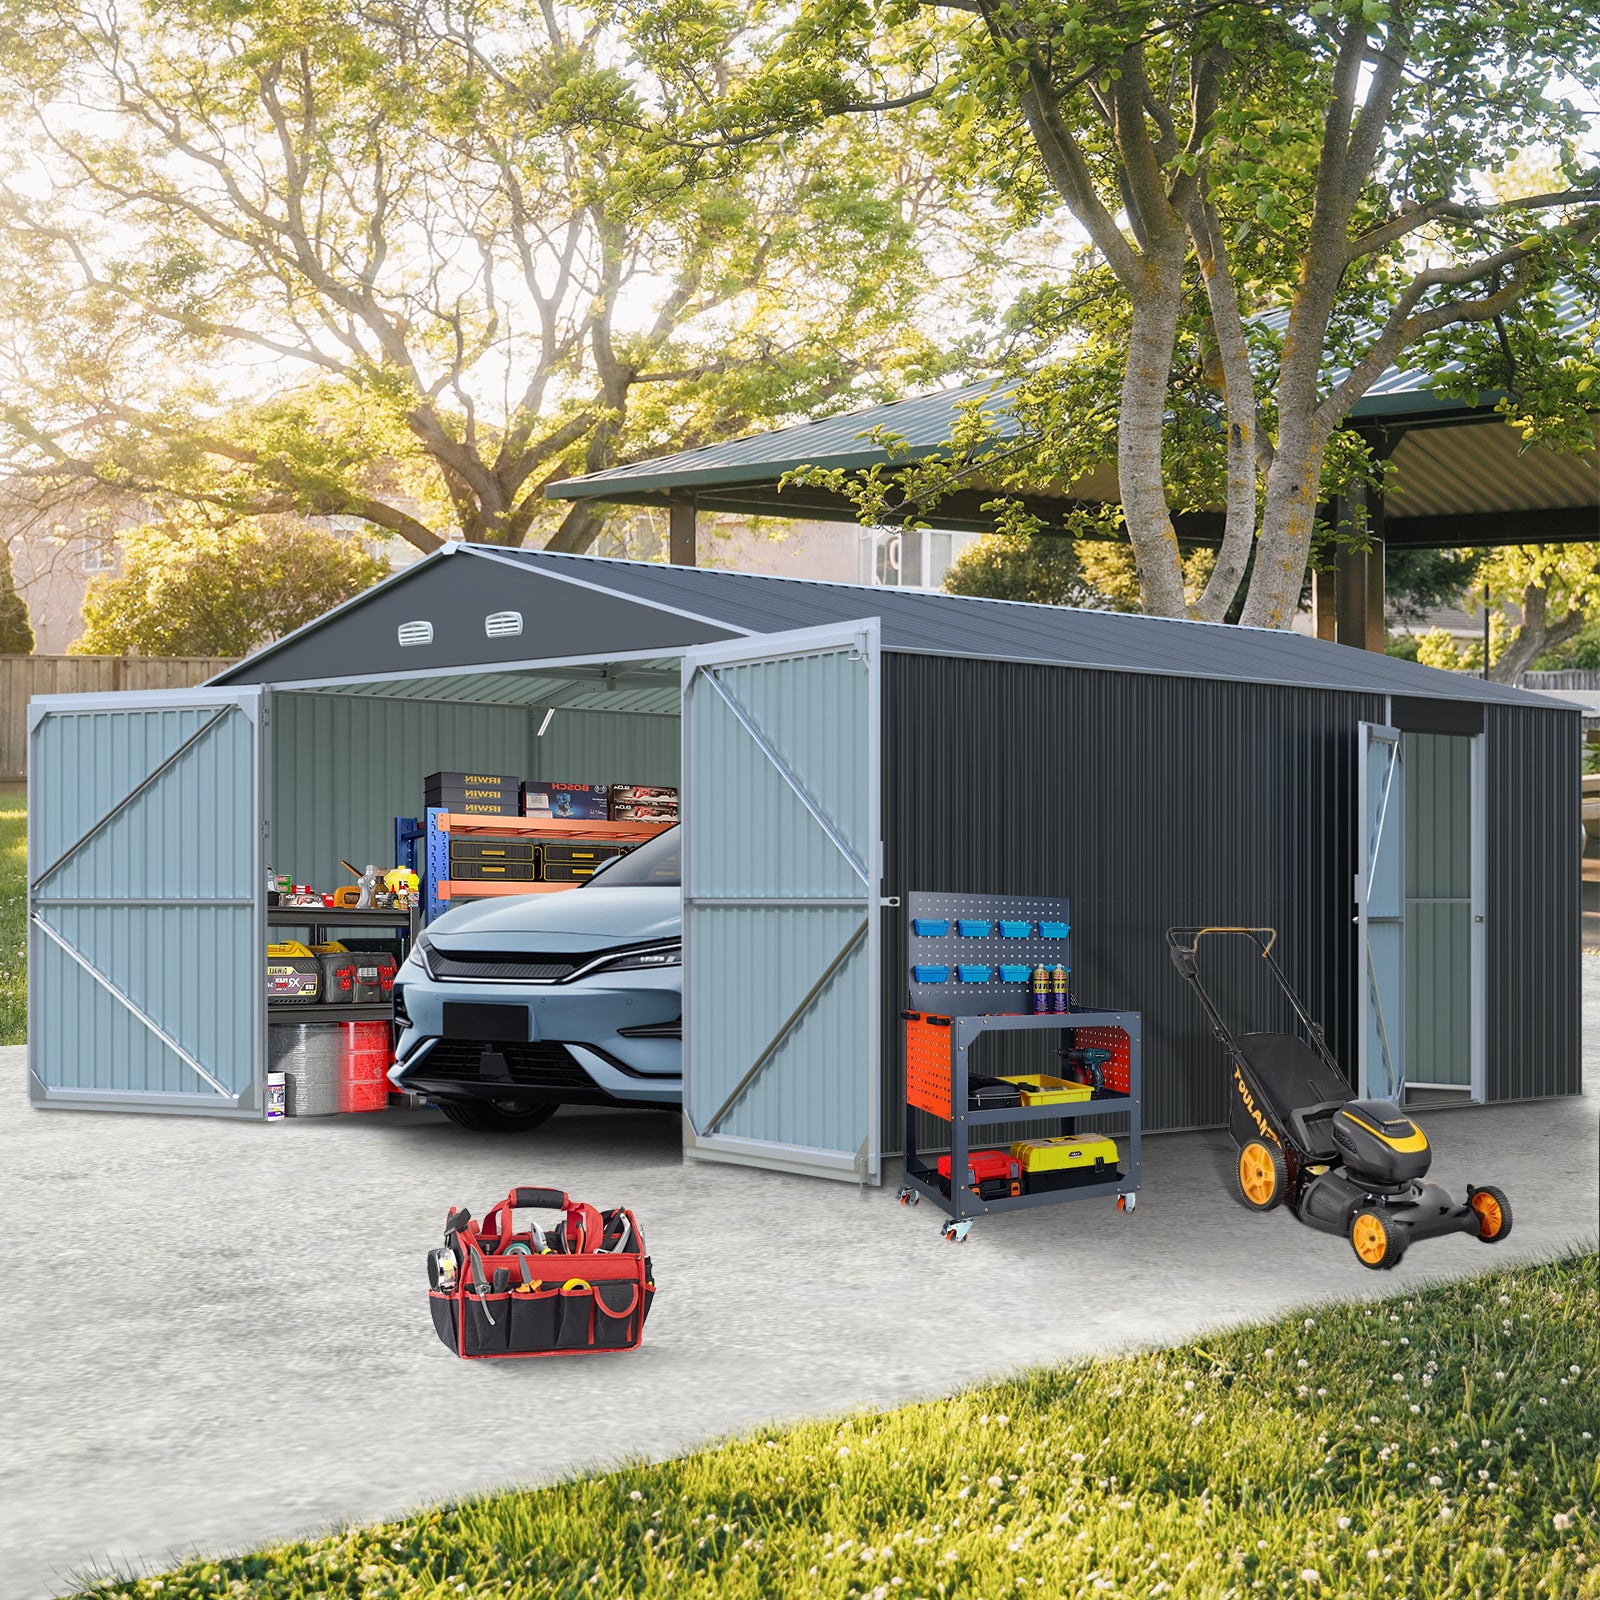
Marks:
<point>1053,930</point>
<point>930,927</point>
<point>973,974</point>
<point>969,928</point>
<point>1010,974</point>
<point>1015,930</point>
<point>931,974</point>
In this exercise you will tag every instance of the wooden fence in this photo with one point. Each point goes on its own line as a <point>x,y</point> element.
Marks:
<point>22,677</point>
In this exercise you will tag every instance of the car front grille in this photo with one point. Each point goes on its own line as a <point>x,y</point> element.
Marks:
<point>532,1066</point>
<point>493,966</point>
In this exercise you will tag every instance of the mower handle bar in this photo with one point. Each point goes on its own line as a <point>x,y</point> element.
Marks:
<point>1184,959</point>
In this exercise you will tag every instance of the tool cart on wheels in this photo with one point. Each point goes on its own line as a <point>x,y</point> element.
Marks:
<point>976,968</point>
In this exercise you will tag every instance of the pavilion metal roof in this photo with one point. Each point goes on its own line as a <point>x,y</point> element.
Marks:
<point>1462,475</point>
<point>616,609</point>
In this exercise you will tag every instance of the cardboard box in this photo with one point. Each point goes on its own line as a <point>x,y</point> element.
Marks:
<point>581,802</point>
<point>473,793</point>
<point>644,812</point>
<point>642,794</point>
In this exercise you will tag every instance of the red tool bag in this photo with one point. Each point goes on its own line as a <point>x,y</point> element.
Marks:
<point>583,1287</point>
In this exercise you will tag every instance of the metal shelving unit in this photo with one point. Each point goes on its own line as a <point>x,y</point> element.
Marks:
<point>960,1008</point>
<point>425,847</point>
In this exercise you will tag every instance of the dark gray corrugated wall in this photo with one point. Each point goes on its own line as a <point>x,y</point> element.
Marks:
<point>1157,801</point>
<point>1150,802</point>
<point>1534,888</point>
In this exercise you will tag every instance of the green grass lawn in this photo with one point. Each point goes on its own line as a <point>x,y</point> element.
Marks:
<point>1442,1445</point>
<point>13,913</point>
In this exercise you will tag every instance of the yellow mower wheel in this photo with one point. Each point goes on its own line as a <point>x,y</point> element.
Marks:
<point>1377,1242</point>
<point>1494,1213</point>
<point>1263,1174</point>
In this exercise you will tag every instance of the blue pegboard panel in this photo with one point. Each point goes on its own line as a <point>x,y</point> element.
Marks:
<point>1001,916</point>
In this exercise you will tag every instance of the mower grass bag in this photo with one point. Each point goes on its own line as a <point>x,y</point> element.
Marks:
<point>583,1287</point>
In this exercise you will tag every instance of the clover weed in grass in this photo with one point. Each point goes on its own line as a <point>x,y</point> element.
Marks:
<point>1441,1446</point>
<point>13,913</point>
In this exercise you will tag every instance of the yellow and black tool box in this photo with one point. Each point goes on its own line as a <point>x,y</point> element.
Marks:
<point>1062,1162</point>
<point>470,849</point>
<point>294,974</point>
<point>471,869</point>
<point>573,860</point>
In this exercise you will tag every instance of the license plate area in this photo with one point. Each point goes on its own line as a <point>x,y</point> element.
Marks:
<point>464,1019</point>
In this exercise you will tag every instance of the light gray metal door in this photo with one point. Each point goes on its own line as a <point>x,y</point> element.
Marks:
<point>781,883</point>
<point>1381,914</point>
<point>146,937</point>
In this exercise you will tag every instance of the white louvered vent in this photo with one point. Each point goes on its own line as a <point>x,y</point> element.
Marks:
<point>416,633</point>
<point>503,624</point>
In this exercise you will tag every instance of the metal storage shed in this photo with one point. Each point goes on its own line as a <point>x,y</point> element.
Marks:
<point>1411,833</point>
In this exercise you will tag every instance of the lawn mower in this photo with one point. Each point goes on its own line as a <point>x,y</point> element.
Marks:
<point>1343,1165</point>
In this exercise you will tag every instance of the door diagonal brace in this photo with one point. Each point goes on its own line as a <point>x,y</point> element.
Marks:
<point>784,771</point>
<point>128,1005</point>
<point>128,799</point>
<point>761,1061</point>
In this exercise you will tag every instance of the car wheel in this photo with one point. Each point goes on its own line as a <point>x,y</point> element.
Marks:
<point>496,1116</point>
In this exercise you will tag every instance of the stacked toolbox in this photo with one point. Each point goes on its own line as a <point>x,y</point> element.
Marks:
<point>473,794</point>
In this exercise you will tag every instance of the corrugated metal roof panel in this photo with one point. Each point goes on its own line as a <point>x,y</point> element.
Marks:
<point>924,422</point>
<point>920,622</point>
<point>1460,471</point>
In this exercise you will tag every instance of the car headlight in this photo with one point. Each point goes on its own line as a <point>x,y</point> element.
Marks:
<point>640,960</point>
<point>420,952</point>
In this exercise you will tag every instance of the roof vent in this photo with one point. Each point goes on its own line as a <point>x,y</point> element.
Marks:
<point>416,633</point>
<point>503,624</point>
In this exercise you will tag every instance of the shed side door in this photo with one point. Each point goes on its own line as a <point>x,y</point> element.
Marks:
<point>1381,915</point>
<point>781,875</point>
<point>145,933</point>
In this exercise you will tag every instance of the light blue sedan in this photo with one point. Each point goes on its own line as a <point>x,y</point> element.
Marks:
<point>508,1008</point>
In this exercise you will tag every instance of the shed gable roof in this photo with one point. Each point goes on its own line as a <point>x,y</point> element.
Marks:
<point>594,607</point>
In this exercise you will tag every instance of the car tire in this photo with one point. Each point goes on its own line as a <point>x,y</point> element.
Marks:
<point>490,1116</point>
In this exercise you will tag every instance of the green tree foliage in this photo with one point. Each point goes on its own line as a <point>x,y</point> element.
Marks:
<point>1280,200</point>
<point>1416,582</point>
<point>16,631</point>
<point>410,262</point>
<point>1044,570</point>
<point>1053,570</point>
<point>188,589</point>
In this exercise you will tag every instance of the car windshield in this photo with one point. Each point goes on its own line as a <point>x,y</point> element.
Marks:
<point>654,863</point>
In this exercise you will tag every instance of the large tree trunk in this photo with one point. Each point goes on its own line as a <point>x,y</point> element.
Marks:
<point>1139,445</point>
<point>1535,636</point>
<point>1287,522</point>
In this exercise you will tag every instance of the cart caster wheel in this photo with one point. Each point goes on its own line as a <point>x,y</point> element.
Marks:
<point>1127,1202</point>
<point>956,1232</point>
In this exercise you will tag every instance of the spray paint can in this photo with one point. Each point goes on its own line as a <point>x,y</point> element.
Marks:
<point>1041,990</point>
<point>1058,989</point>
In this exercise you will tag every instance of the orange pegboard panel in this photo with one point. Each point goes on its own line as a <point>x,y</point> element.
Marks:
<point>928,1065</point>
<point>1114,1040</point>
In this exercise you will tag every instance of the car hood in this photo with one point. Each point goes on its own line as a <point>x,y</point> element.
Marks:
<point>591,918</point>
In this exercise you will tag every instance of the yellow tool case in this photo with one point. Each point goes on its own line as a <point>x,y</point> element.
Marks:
<point>1055,1155</point>
<point>1038,1090</point>
<point>1064,1162</point>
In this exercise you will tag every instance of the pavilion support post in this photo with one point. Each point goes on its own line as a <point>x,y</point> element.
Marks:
<point>681,531</point>
<point>1358,601</point>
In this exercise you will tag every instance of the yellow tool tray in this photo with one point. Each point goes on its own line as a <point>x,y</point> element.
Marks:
<point>1064,1154</point>
<point>1044,1091</point>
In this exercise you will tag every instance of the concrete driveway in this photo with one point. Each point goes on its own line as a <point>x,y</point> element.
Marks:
<point>216,1334</point>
